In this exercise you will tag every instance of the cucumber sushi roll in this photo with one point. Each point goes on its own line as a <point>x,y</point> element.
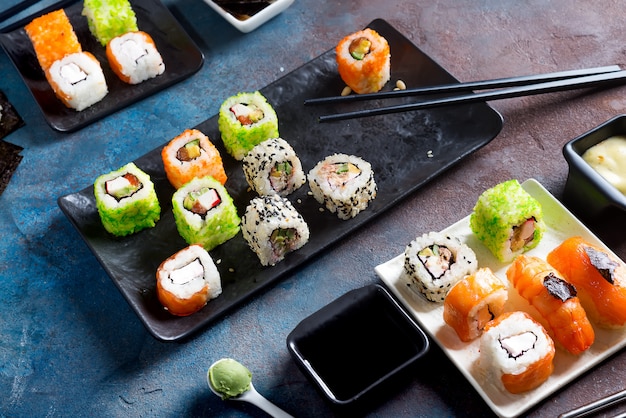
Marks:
<point>126,200</point>
<point>205,213</point>
<point>246,120</point>
<point>344,184</point>
<point>507,220</point>
<point>134,58</point>
<point>435,262</point>
<point>187,280</point>
<point>272,167</point>
<point>272,227</point>
<point>109,18</point>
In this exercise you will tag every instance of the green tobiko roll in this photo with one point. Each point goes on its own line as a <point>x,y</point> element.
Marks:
<point>245,120</point>
<point>507,220</point>
<point>109,18</point>
<point>126,200</point>
<point>205,213</point>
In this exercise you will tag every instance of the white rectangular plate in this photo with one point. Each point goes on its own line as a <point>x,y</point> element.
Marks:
<point>561,224</point>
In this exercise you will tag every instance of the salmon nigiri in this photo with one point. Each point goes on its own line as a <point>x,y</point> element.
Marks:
<point>474,301</point>
<point>599,277</point>
<point>555,299</point>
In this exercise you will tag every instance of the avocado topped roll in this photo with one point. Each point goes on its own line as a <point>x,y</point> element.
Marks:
<point>126,200</point>
<point>205,213</point>
<point>244,121</point>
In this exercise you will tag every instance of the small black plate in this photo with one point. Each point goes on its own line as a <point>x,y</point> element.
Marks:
<point>406,151</point>
<point>356,343</point>
<point>181,56</point>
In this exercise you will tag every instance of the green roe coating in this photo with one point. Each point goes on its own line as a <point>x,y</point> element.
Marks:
<point>501,208</point>
<point>109,18</point>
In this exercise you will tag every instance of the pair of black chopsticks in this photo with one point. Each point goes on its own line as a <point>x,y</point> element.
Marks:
<point>508,88</point>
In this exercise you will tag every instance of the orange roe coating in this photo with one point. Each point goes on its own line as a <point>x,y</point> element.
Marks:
<point>367,75</point>
<point>208,163</point>
<point>53,37</point>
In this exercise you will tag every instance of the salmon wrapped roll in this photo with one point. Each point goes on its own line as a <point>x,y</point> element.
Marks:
<point>192,155</point>
<point>364,61</point>
<point>599,277</point>
<point>134,57</point>
<point>187,280</point>
<point>473,302</point>
<point>516,352</point>
<point>555,299</point>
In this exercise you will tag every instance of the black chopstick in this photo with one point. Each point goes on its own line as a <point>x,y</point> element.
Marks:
<point>595,406</point>
<point>469,86</point>
<point>15,9</point>
<point>598,80</point>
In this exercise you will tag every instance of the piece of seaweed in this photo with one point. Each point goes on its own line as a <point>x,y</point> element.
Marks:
<point>10,156</point>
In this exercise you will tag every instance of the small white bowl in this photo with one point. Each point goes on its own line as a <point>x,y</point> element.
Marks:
<point>254,21</point>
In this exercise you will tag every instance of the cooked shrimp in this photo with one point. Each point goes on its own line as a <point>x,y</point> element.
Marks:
<point>555,299</point>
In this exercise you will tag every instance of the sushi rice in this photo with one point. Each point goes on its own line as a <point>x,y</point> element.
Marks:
<point>128,214</point>
<point>109,18</point>
<point>134,57</point>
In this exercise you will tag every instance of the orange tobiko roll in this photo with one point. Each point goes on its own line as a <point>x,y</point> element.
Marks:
<point>53,37</point>
<point>364,61</point>
<point>192,155</point>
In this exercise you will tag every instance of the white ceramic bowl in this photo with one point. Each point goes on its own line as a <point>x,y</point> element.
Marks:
<point>254,21</point>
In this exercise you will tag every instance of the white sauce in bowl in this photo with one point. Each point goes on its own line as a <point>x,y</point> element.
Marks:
<point>608,158</point>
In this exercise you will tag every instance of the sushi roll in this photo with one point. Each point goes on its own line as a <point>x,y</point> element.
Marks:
<point>187,280</point>
<point>109,18</point>
<point>134,57</point>
<point>244,121</point>
<point>555,300</point>
<point>473,302</point>
<point>192,155</point>
<point>435,262</point>
<point>272,227</point>
<point>516,352</point>
<point>364,61</point>
<point>344,184</point>
<point>204,213</point>
<point>52,37</point>
<point>126,200</point>
<point>507,220</point>
<point>599,278</point>
<point>272,167</point>
<point>77,80</point>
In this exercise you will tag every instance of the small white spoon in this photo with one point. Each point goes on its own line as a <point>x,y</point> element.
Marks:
<point>255,398</point>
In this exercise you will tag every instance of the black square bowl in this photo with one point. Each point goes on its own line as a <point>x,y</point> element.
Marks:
<point>356,344</point>
<point>586,192</point>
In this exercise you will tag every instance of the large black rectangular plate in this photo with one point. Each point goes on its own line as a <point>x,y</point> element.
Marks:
<point>406,151</point>
<point>181,56</point>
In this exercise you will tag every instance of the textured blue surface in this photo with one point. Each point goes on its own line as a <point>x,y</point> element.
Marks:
<point>71,346</point>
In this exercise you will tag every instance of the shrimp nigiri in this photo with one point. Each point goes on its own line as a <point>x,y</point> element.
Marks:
<point>599,278</point>
<point>474,301</point>
<point>555,299</point>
